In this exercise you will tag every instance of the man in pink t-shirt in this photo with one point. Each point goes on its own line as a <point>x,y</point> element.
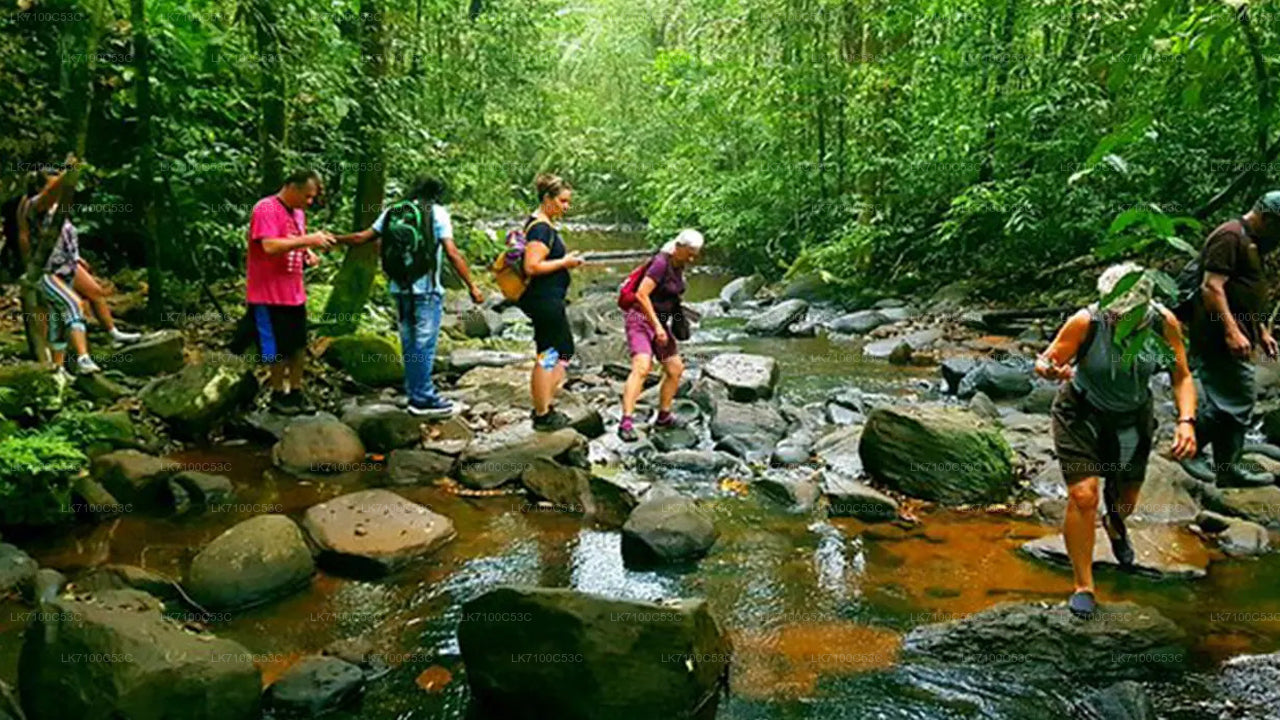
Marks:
<point>279,248</point>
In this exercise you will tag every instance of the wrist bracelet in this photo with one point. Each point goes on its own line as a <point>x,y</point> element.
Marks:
<point>1189,420</point>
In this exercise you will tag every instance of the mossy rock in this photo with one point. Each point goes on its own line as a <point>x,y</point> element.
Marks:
<point>29,388</point>
<point>198,398</point>
<point>948,456</point>
<point>114,429</point>
<point>369,359</point>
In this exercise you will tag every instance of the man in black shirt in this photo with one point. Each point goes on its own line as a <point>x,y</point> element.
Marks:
<point>1228,324</point>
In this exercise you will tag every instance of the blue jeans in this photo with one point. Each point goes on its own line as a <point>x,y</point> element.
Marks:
<point>419,329</point>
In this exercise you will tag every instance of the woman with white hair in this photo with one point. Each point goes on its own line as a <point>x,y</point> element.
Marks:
<point>1102,416</point>
<point>649,319</point>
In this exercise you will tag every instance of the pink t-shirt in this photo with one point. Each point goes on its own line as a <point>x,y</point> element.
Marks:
<point>275,279</point>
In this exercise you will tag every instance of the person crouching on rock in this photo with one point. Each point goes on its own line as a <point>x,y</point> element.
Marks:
<point>1102,416</point>
<point>649,336</point>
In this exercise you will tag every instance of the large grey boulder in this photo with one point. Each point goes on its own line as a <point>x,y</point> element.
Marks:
<point>318,445</point>
<point>1161,551</point>
<point>374,532</point>
<point>775,319</point>
<point>540,653</point>
<point>501,456</point>
<point>115,656</point>
<point>999,380</point>
<point>157,354</point>
<point>133,477</point>
<point>1123,641</point>
<point>850,498</point>
<point>748,377</point>
<point>253,562</point>
<point>666,530</point>
<point>858,323</point>
<point>17,570</point>
<point>383,427</point>
<point>200,397</point>
<point>418,467</point>
<point>756,426</point>
<point>740,290</point>
<point>918,340</point>
<point>944,455</point>
<point>314,686</point>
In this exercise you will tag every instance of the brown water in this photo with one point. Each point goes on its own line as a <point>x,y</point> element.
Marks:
<point>816,608</point>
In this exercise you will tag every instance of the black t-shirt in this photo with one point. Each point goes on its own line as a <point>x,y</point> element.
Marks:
<point>1230,251</point>
<point>552,287</point>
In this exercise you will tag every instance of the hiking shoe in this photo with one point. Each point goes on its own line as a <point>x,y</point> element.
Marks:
<point>667,420</point>
<point>120,337</point>
<point>431,408</point>
<point>86,366</point>
<point>627,430</point>
<point>1082,604</point>
<point>284,403</point>
<point>551,421</point>
<point>1119,536</point>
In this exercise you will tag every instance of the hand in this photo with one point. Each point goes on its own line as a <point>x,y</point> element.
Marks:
<point>660,336</point>
<point>322,240</point>
<point>1046,368</point>
<point>1238,343</point>
<point>477,297</point>
<point>1269,345</point>
<point>573,260</point>
<point>311,259</point>
<point>1184,441</point>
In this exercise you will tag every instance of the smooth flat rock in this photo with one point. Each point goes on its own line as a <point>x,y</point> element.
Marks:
<point>918,340</point>
<point>253,562</point>
<point>500,456</point>
<point>314,685</point>
<point>374,532</point>
<point>1260,505</point>
<point>1162,551</point>
<point>748,377</point>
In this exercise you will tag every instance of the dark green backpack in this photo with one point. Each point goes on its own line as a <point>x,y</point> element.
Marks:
<point>408,243</point>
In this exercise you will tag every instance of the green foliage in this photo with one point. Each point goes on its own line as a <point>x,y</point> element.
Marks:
<point>35,477</point>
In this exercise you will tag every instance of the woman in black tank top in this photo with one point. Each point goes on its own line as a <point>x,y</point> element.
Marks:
<point>547,264</point>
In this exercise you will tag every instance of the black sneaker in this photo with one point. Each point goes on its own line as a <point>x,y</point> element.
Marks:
<point>283,403</point>
<point>550,422</point>
<point>1119,536</point>
<point>432,408</point>
<point>303,402</point>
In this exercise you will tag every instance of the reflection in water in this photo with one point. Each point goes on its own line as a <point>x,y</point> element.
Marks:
<point>598,568</point>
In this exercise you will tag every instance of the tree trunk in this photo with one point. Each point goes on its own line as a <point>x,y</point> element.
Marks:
<point>354,282</point>
<point>146,187</point>
<point>274,130</point>
<point>987,172</point>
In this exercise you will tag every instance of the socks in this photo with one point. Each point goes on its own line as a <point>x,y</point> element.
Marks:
<point>628,423</point>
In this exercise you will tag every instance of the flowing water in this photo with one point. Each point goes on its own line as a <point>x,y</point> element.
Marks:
<point>816,609</point>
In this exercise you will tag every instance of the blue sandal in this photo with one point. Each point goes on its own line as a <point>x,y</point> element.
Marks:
<point>1082,604</point>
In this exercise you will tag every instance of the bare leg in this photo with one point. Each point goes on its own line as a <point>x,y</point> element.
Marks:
<point>78,342</point>
<point>296,363</point>
<point>674,369</point>
<point>1078,530</point>
<point>88,288</point>
<point>640,366</point>
<point>1127,501</point>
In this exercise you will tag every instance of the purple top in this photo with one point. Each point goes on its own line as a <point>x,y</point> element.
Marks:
<point>669,281</point>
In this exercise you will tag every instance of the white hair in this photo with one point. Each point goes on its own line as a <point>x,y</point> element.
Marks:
<point>688,237</point>
<point>1139,294</point>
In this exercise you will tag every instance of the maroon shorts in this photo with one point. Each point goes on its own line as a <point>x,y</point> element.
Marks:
<point>640,338</point>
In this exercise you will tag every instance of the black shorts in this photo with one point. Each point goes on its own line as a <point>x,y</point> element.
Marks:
<point>279,331</point>
<point>1086,442</point>
<point>551,330</point>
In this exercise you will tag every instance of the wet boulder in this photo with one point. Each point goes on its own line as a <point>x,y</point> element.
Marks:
<point>133,477</point>
<point>371,533</point>
<point>418,467</point>
<point>199,397</point>
<point>858,323</point>
<point>383,427</point>
<point>501,456</point>
<point>1235,537</point>
<point>554,653</point>
<point>699,462</point>
<point>204,489</point>
<point>775,319</point>
<point>1250,685</point>
<point>1160,551</point>
<point>481,323</point>
<point>319,445</point>
<point>158,354</point>
<point>740,290</point>
<point>1125,700</point>
<point>17,570</point>
<point>253,562</point>
<point>669,530</point>
<point>943,455</point>
<point>314,686</point>
<point>748,377</point>
<point>369,359</point>
<point>850,498</point>
<point>918,340</point>
<point>954,369</point>
<point>999,380</point>
<point>46,585</point>
<point>757,426</point>
<point>1123,641</point>
<point>796,491</point>
<point>839,450</point>
<point>673,438</point>
<point>123,577</point>
<point>115,655</point>
<point>1260,504</point>
<point>566,487</point>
